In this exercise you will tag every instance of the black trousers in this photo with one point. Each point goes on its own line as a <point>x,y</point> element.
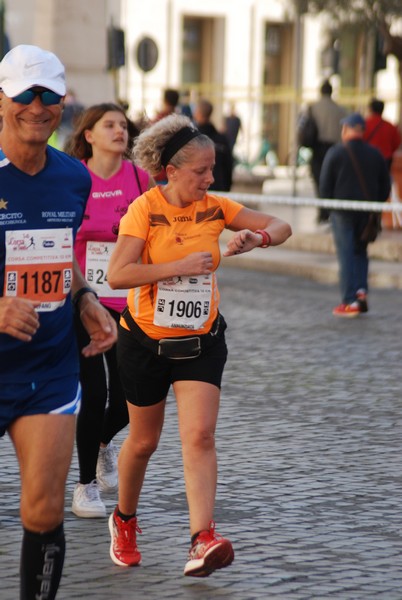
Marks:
<point>319,152</point>
<point>103,409</point>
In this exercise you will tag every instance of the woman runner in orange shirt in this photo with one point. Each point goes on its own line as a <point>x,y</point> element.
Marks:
<point>172,332</point>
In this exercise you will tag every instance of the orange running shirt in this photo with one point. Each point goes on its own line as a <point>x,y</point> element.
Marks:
<point>171,233</point>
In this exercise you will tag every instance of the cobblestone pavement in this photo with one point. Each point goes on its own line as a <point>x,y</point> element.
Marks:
<point>309,444</point>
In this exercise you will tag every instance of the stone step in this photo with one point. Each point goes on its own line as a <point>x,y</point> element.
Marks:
<point>317,266</point>
<point>387,247</point>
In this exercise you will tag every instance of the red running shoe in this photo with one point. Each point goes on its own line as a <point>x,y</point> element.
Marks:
<point>347,310</point>
<point>209,552</point>
<point>123,547</point>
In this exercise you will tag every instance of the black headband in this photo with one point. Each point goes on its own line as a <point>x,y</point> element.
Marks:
<point>176,142</point>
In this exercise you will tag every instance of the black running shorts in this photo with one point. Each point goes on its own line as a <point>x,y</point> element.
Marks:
<point>147,377</point>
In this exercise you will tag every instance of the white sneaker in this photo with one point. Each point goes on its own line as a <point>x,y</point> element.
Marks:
<point>106,468</point>
<point>87,502</point>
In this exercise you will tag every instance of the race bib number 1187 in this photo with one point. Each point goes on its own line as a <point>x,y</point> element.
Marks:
<point>39,266</point>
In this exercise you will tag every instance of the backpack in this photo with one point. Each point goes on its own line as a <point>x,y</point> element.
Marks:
<point>307,130</point>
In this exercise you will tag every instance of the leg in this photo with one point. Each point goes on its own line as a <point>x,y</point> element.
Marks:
<point>145,430</point>
<point>44,445</point>
<point>116,413</point>
<point>146,381</point>
<point>208,551</point>
<point>319,152</point>
<point>90,418</point>
<point>115,418</point>
<point>361,268</point>
<point>315,167</point>
<point>344,237</point>
<point>197,431</point>
<point>93,402</point>
<point>86,499</point>
<point>361,257</point>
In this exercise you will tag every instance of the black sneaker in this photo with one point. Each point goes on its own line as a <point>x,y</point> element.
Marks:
<point>361,297</point>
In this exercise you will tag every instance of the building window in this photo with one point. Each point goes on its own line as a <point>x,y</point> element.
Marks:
<point>192,50</point>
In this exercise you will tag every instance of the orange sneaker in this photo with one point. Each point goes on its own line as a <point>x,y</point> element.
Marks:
<point>123,547</point>
<point>347,310</point>
<point>209,552</point>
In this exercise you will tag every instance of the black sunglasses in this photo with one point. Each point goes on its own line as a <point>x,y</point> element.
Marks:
<point>47,97</point>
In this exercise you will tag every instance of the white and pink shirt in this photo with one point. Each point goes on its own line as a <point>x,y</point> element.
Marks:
<point>107,203</point>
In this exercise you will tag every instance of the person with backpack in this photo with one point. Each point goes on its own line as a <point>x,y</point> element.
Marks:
<point>327,115</point>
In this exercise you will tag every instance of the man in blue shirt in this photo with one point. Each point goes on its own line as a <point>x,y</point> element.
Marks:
<point>43,193</point>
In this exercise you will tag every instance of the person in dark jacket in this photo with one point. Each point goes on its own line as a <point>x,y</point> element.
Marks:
<point>222,172</point>
<point>353,170</point>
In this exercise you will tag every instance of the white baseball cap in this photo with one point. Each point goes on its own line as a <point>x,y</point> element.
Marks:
<point>26,66</point>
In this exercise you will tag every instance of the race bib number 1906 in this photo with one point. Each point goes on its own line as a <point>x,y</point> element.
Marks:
<point>184,302</point>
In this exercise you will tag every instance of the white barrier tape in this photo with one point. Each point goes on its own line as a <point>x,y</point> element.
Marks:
<point>359,205</point>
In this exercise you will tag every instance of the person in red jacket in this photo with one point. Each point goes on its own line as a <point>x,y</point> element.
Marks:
<point>381,133</point>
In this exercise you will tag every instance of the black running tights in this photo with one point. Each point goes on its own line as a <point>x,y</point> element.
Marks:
<point>103,408</point>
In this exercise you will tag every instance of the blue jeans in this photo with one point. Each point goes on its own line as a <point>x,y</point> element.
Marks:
<point>347,227</point>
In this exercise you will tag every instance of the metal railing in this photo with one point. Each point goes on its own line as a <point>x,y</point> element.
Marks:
<point>357,205</point>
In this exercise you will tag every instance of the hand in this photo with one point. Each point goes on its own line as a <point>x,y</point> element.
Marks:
<point>242,241</point>
<point>19,318</point>
<point>100,326</point>
<point>196,263</point>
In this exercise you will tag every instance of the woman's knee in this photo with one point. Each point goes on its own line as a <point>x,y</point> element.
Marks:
<point>143,448</point>
<point>199,440</point>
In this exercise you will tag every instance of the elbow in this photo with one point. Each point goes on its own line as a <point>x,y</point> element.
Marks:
<point>286,232</point>
<point>280,233</point>
<point>112,281</point>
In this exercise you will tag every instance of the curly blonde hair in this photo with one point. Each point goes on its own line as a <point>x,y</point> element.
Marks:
<point>150,144</point>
